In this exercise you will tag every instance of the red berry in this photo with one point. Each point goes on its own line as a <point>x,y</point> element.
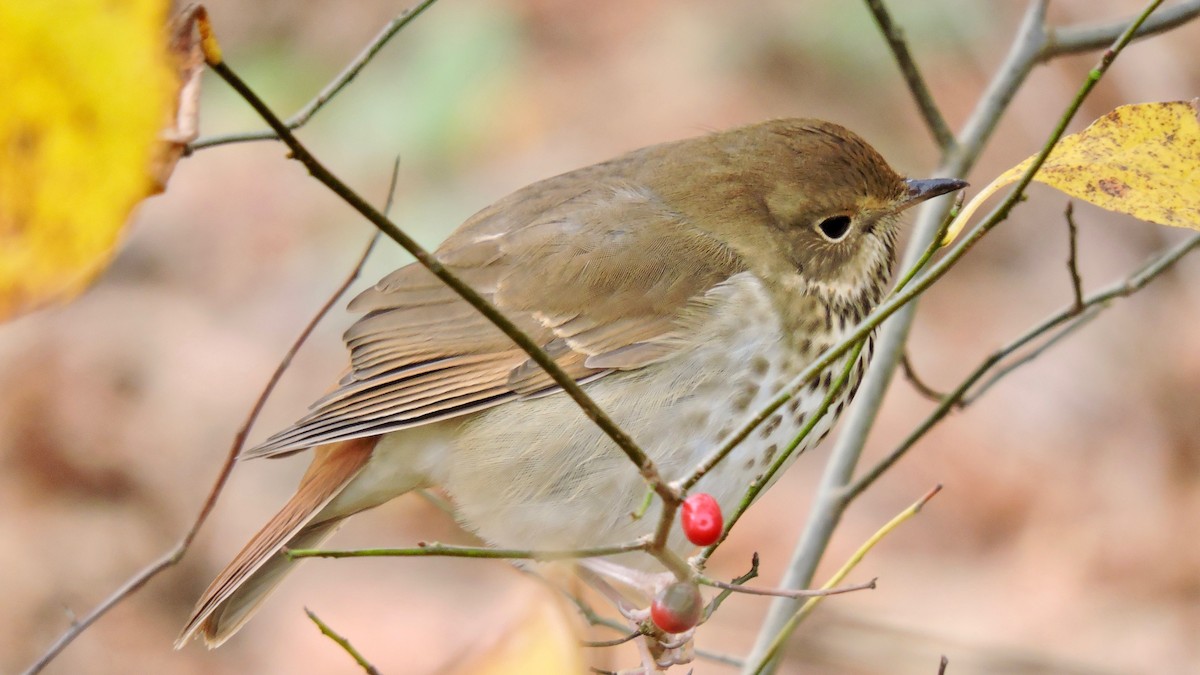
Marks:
<point>701,519</point>
<point>677,607</point>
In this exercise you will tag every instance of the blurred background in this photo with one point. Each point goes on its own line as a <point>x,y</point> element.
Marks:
<point>1064,542</point>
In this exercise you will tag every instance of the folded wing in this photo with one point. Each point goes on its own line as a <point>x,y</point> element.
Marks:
<point>601,278</point>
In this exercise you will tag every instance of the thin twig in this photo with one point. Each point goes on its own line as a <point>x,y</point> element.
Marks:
<point>615,642</point>
<point>435,549</point>
<point>1072,258</point>
<point>717,657</point>
<point>1094,303</point>
<point>172,557</point>
<point>1080,316</point>
<point>910,374</point>
<point>330,91</point>
<point>1075,39</point>
<point>943,664</point>
<point>589,614</point>
<point>721,597</point>
<point>318,171</point>
<point>592,616</point>
<point>912,76</point>
<point>342,642</point>
<point>786,592</point>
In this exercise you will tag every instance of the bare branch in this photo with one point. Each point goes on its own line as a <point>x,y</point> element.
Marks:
<point>717,657</point>
<point>1082,317</point>
<point>331,90</point>
<point>912,76</point>
<point>342,642</point>
<point>1074,39</point>
<point>1073,258</point>
<point>716,602</point>
<point>435,549</point>
<point>1093,304</point>
<point>613,642</point>
<point>786,592</point>
<point>910,374</point>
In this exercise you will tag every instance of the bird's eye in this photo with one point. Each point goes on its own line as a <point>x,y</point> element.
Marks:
<point>834,227</point>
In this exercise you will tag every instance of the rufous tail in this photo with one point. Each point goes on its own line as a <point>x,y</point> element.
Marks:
<point>240,588</point>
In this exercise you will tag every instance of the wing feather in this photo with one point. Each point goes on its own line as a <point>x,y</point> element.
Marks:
<point>602,275</point>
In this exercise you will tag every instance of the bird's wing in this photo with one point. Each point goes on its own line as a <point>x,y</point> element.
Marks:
<point>603,279</point>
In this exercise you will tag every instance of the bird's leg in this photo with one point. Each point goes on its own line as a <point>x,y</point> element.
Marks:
<point>646,583</point>
<point>676,652</point>
<point>597,581</point>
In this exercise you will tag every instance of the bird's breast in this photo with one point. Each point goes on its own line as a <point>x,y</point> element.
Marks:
<point>538,474</point>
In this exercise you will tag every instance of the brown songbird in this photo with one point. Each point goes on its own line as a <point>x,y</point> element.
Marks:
<point>682,284</point>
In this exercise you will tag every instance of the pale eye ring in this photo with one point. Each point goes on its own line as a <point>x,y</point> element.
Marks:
<point>834,228</point>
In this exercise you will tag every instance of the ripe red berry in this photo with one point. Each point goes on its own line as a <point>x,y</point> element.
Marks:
<point>701,519</point>
<point>677,607</point>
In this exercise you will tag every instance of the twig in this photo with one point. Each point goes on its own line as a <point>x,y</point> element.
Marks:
<point>613,642</point>
<point>912,76</point>
<point>1072,257</point>
<point>717,657</point>
<point>1076,39</point>
<point>943,664</point>
<point>442,550</point>
<point>1093,304</point>
<point>172,557</point>
<point>331,90</point>
<point>1081,318</point>
<point>910,374</point>
<point>342,642</point>
<point>786,592</point>
<point>720,598</point>
<point>591,615</point>
<point>829,502</point>
<point>760,663</point>
<point>318,171</point>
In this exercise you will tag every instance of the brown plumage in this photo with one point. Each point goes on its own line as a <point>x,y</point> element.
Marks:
<point>657,278</point>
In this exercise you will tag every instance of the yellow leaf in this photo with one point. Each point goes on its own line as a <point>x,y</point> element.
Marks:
<point>87,85</point>
<point>1142,160</point>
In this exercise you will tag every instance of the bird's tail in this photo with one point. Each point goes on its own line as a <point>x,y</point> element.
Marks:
<point>240,588</point>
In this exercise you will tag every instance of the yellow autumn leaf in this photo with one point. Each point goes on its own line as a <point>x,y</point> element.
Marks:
<point>87,85</point>
<point>1142,160</point>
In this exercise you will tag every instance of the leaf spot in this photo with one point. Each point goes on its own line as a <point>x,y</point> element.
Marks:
<point>1114,187</point>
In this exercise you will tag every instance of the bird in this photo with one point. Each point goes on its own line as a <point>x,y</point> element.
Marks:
<point>682,285</point>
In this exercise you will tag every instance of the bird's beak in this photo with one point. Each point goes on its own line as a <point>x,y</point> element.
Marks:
<point>928,188</point>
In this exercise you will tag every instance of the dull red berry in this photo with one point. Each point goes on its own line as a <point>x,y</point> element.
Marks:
<point>701,519</point>
<point>677,607</point>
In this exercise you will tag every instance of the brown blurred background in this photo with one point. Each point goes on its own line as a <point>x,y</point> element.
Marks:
<point>1065,540</point>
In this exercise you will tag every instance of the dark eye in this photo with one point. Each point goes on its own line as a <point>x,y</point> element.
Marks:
<point>834,227</point>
